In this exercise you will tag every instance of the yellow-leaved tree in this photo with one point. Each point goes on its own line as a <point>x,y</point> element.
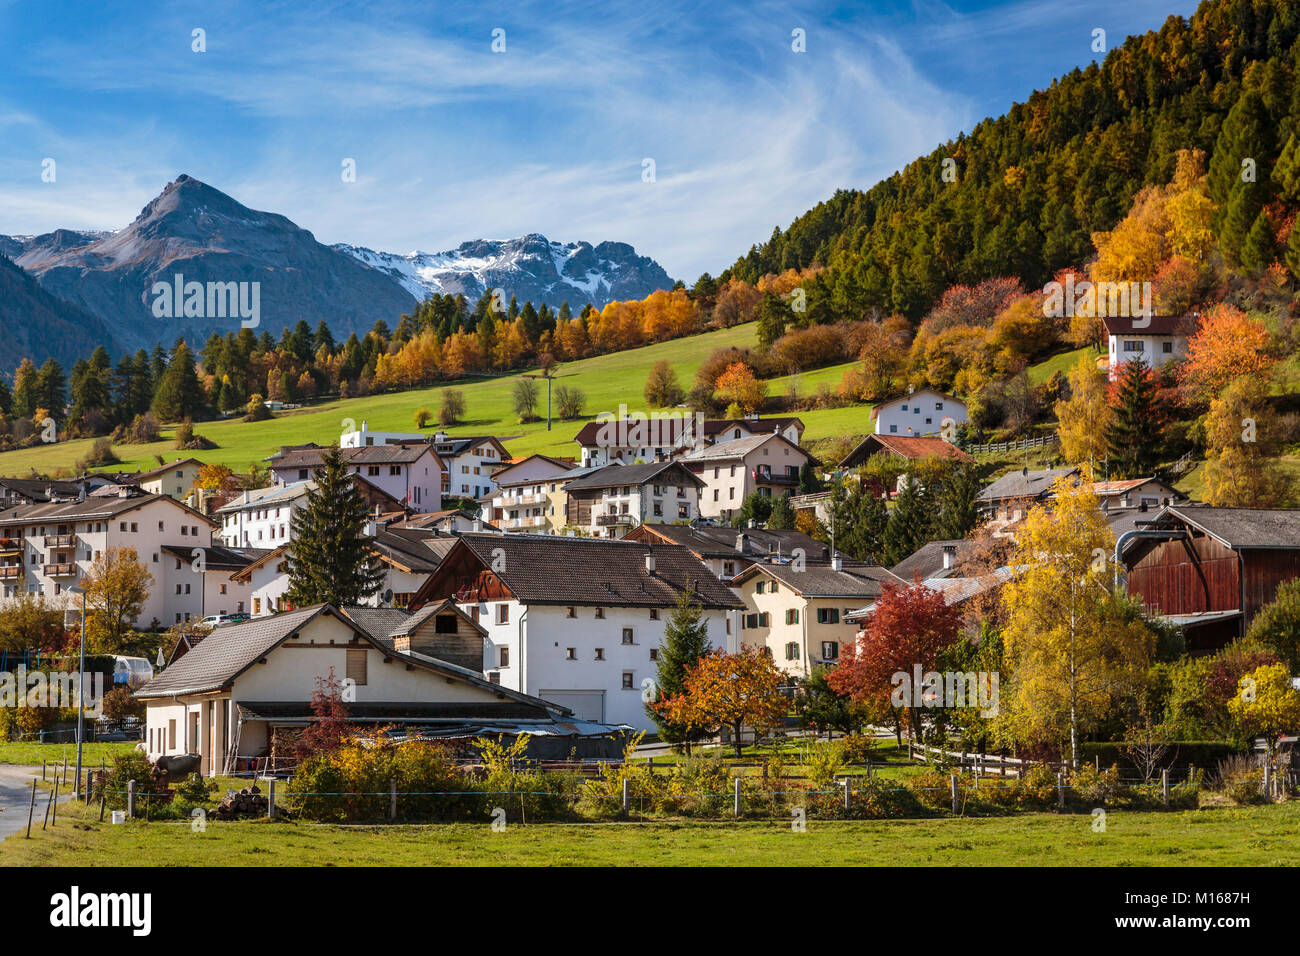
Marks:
<point>1075,649</point>
<point>1266,705</point>
<point>1241,438</point>
<point>116,591</point>
<point>1084,417</point>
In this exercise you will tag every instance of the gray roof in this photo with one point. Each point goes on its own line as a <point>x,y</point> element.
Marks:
<point>226,653</point>
<point>823,581</point>
<point>614,475</point>
<point>927,560</point>
<point>379,622</point>
<point>108,506</point>
<point>754,543</point>
<point>1018,484</point>
<point>1240,528</point>
<point>734,448</point>
<point>589,572</point>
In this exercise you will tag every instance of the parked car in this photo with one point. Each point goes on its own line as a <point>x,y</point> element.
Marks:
<point>216,620</point>
<point>132,671</point>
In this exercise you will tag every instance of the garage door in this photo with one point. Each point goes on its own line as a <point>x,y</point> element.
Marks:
<point>587,704</point>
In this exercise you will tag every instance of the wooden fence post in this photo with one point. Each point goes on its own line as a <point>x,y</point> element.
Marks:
<point>627,796</point>
<point>130,799</point>
<point>846,793</point>
<point>31,809</point>
<point>54,804</point>
<point>1164,786</point>
<point>952,784</point>
<point>1268,781</point>
<point>1060,791</point>
<point>737,810</point>
<point>270,798</point>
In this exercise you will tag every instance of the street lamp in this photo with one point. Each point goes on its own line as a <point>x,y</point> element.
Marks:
<point>81,682</point>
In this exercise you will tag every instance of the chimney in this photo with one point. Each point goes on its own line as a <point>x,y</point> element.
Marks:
<point>478,524</point>
<point>949,556</point>
<point>649,562</point>
<point>741,540</point>
<point>837,562</point>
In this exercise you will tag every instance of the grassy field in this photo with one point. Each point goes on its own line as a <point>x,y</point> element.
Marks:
<point>606,380</point>
<point>1256,836</point>
<point>32,754</point>
<point>1062,362</point>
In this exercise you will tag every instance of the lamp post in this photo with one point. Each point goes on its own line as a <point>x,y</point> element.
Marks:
<point>81,682</point>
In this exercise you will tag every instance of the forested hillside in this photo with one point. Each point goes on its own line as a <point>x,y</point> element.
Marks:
<point>1031,186</point>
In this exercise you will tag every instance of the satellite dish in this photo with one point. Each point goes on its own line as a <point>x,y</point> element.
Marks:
<point>388,595</point>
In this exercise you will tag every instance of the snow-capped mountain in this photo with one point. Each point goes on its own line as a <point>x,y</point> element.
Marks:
<point>531,267</point>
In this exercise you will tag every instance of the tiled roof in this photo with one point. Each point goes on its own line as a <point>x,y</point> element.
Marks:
<point>411,547</point>
<point>591,572</point>
<point>927,560</point>
<point>218,557</point>
<point>1023,484</point>
<point>912,447</point>
<point>1150,325</point>
<point>399,454</point>
<point>108,506</point>
<point>226,653</point>
<point>715,427</point>
<point>613,475</point>
<point>666,430</point>
<point>716,542</point>
<point>734,448</point>
<point>823,581</point>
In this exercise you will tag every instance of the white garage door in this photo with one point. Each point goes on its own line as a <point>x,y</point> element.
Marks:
<point>587,704</point>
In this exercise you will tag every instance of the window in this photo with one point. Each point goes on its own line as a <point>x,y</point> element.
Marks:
<point>356,669</point>
<point>503,613</point>
<point>600,653</point>
<point>171,734</point>
<point>1132,345</point>
<point>828,615</point>
<point>774,587</point>
<point>627,635</point>
<point>394,469</point>
<point>134,527</point>
<point>627,680</point>
<point>503,657</point>
<point>760,587</point>
<point>792,615</point>
<point>654,614</point>
<point>1167,348</point>
<point>600,614</point>
<point>792,651</point>
<point>893,429</point>
<point>570,653</point>
<point>161,525</point>
<point>572,612</point>
<point>830,650</point>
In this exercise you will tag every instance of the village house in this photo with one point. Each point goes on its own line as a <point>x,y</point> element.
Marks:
<point>527,496</point>
<point>47,547</point>
<point>732,470</point>
<point>1155,339</point>
<point>241,697</point>
<point>447,521</point>
<point>611,501</point>
<point>39,491</point>
<point>727,552</point>
<point>263,517</point>
<point>471,464</point>
<point>630,439</point>
<point>729,429</point>
<point>798,613</point>
<point>267,581</point>
<point>408,556</point>
<point>198,580</point>
<point>922,412</point>
<point>410,474</point>
<point>935,559</point>
<point>175,478</point>
<point>1007,499</point>
<point>1133,493</point>
<point>1210,570</point>
<point>576,621</point>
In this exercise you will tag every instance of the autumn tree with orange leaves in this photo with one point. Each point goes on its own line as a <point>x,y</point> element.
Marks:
<point>1227,344</point>
<point>738,385</point>
<point>729,690</point>
<point>910,625</point>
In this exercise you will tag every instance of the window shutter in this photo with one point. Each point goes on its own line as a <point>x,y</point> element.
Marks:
<point>357,667</point>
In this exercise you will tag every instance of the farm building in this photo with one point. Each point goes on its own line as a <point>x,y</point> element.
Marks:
<point>1210,570</point>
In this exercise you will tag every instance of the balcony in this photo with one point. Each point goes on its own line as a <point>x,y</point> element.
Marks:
<point>59,570</point>
<point>767,478</point>
<point>59,541</point>
<point>607,521</point>
<point>11,545</point>
<point>9,572</point>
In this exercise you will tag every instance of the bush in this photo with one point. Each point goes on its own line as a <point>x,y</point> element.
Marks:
<point>1241,781</point>
<point>422,417</point>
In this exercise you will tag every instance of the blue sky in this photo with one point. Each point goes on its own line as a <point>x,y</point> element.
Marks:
<point>453,141</point>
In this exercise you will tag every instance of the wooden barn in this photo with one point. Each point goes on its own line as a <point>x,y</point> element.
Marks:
<point>1213,568</point>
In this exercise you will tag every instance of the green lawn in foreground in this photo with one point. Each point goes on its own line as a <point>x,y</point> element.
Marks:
<point>1254,836</point>
<point>32,753</point>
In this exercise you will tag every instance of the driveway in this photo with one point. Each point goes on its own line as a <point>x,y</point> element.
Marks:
<point>16,796</point>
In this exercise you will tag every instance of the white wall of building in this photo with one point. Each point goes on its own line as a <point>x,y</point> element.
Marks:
<point>920,413</point>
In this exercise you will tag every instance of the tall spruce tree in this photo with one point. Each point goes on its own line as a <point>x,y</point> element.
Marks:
<point>329,559</point>
<point>686,640</point>
<point>179,394</point>
<point>957,507</point>
<point>909,522</point>
<point>782,516</point>
<point>1136,434</point>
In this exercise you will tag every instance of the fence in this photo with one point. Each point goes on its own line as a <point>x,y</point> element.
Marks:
<point>1011,445</point>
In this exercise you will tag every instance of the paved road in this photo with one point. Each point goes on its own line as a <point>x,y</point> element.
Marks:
<point>16,796</point>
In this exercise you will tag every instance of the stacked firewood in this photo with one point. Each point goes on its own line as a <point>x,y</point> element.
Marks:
<point>247,802</point>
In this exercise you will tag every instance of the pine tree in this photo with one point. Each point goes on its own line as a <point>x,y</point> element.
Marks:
<point>782,516</point>
<point>329,559</point>
<point>686,640</point>
<point>909,522</point>
<point>857,522</point>
<point>52,389</point>
<point>178,394</point>
<point>1260,248</point>
<point>1136,433</point>
<point>957,507</point>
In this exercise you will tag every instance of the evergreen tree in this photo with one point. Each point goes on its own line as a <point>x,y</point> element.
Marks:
<point>1135,436</point>
<point>909,522</point>
<point>1260,248</point>
<point>782,516</point>
<point>179,394</point>
<point>323,337</point>
<point>52,389</point>
<point>956,507</point>
<point>329,559</point>
<point>857,522</point>
<point>809,481</point>
<point>755,508</point>
<point>686,640</point>
<point>26,397</point>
